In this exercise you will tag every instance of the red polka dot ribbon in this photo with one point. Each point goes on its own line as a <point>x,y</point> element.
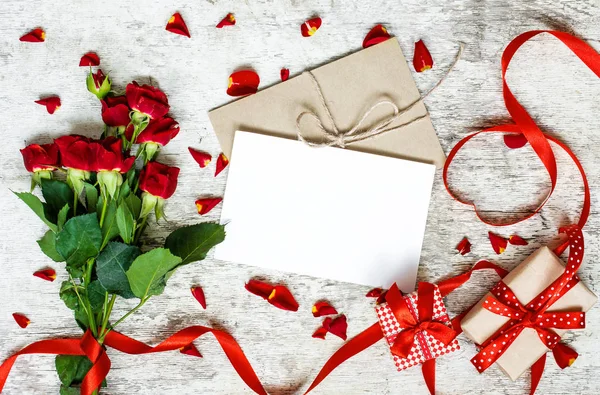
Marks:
<point>534,315</point>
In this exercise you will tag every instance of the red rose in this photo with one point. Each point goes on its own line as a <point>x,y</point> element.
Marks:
<point>147,100</point>
<point>75,152</point>
<point>98,84</point>
<point>40,157</point>
<point>159,131</point>
<point>108,156</point>
<point>115,111</point>
<point>159,180</point>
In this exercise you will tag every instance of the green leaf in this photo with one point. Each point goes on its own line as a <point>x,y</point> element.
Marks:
<point>68,295</point>
<point>125,190</point>
<point>48,246</point>
<point>62,216</point>
<point>146,274</point>
<point>57,194</point>
<point>111,266</point>
<point>79,240</point>
<point>192,243</point>
<point>72,369</point>
<point>125,223</point>
<point>91,196</point>
<point>68,390</point>
<point>37,206</point>
<point>109,228</point>
<point>95,293</point>
<point>81,318</point>
<point>134,204</point>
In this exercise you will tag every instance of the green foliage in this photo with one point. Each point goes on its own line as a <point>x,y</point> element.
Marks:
<point>192,243</point>
<point>96,294</point>
<point>134,204</point>
<point>62,216</point>
<point>111,266</point>
<point>48,246</point>
<point>37,206</point>
<point>68,295</point>
<point>110,230</point>
<point>125,223</point>
<point>147,272</point>
<point>72,369</point>
<point>68,390</point>
<point>91,196</point>
<point>79,240</point>
<point>57,194</point>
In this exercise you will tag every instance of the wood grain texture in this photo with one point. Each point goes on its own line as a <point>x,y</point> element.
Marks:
<point>560,93</point>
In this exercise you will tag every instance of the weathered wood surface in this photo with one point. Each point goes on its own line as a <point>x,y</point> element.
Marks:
<point>560,93</point>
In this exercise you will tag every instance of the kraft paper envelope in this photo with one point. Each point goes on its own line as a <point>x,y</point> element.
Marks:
<point>325,212</point>
<point>350,87</point>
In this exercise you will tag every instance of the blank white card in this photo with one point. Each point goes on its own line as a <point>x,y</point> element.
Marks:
<point>325,212</point>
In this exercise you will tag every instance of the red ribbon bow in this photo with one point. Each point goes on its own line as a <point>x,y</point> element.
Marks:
<point>415,324</point>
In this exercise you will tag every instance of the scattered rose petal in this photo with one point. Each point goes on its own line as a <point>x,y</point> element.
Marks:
<point>52,103</point>
<point>242,83</point>
<point>207,204</point>
<point>564,355</point>
<point>514,141</point>
<point>282,298</point>
<point>229,20</point>
<point>320,309</point>
<point>381,298</point>
<point>222,163</point>
<point>375,36</point>
<point>199,295</point>
<point>35,36</point>
<point>422,58</point>
<point>320,333</point>
<point>89,59</point>
<point>22,321</point>
<point>517,240</point>
<point>190,349</point>
<point>259,288</point>
<point>374,293</point>
<point>46,274</point>
<point>499,243</point>
<point>464,247</point>
<point>310,27</point>
<point>285,74</point>
<point>336,326</point>
<point>177,25</point>
<point>203,158</point>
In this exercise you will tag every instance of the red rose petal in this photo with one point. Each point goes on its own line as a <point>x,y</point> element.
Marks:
<point>202,158</point>
<point>35,36</point>
<point>89,59</point>
<point>320,309</point>
<point>259,288</point>
<point>229,20</point>
<point>564,355</point>
<point>336,326</point>
<point>464,247</point>
<point>499,243</point>
<point>375,36</point>
<point>242,83</point>
<point>285,74</point>
<point>282,298</point>
<point>199,295</point>
<point>52,103</point>
<point>190,349</point>
<point>21,320</point>
<point>222,163</point>
<point>381,298</point>
<point>207,204</point>
<point>374,293</point>
<point>46,274</point>
<point>320,333</point>
<point>514,141</point>
<point>177,25</point>
<point>422,58</point>
<point>310,27</point>
<point>517,240</point>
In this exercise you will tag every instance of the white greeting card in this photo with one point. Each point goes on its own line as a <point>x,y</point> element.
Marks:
<point>325,212</point>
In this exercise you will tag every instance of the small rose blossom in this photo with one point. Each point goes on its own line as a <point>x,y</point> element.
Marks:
<point>147,100</point>
<point>40,160</point>
<point>110,162</point>
<point>115,111</point>
<point>98,84</point>
<point>76,155</point>
<point>158,182</point>
<point>158,133</point>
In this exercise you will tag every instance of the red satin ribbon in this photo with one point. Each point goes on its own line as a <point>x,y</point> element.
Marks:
<point>88,346</point>
<point>526,126</point>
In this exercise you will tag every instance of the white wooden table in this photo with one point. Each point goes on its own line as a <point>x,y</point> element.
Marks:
<point>560,93</point>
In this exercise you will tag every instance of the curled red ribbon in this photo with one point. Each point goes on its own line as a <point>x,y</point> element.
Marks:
<point>88,346</point>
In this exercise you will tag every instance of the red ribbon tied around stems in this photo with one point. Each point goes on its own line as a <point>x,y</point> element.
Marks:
<point>413,325</point>
<point>88,346</point>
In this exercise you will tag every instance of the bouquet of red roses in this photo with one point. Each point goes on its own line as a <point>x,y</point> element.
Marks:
<point>97,200</point>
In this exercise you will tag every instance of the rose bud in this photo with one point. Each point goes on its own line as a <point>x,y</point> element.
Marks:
<point>76,156</point>
<point>40,160</point>
<point>110,162</point>
<point>98,84</point>
<point>115,113</point>
<point>157,134</point>
<point>147,101</point>
<point>158,182</point>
